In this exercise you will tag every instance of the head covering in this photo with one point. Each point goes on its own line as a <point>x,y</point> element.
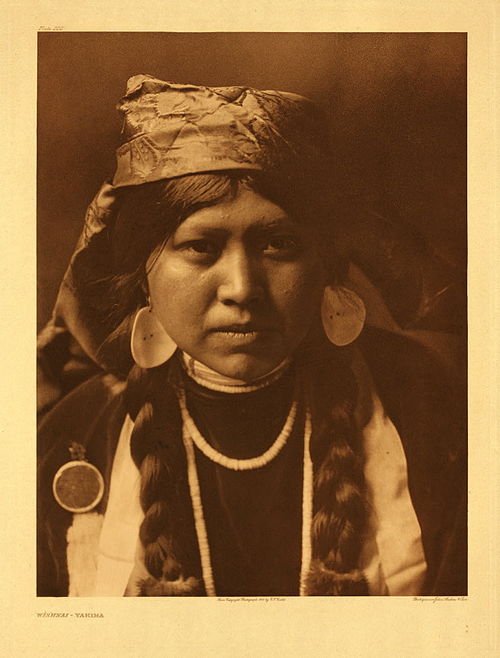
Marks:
<point>176,129</point>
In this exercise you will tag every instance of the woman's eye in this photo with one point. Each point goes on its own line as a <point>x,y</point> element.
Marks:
<point>281,245</point>
<point>200,249</point>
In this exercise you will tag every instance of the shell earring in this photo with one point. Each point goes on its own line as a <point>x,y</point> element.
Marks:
<point>149,342</point>
<point>343,314</point>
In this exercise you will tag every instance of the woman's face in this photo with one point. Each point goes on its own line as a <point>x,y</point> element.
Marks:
<point>237,285</point>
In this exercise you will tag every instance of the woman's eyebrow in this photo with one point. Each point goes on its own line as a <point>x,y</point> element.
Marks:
<point>284,223</point>
<point>270,225</point>
<point>259,226</point>
<point>200,229</point>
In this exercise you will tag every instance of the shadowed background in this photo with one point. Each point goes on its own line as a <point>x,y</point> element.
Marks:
<point>396,103</point>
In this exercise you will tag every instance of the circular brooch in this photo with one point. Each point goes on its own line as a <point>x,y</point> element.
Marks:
<point>78,486</point>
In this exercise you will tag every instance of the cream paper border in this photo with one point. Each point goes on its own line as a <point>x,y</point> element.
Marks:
<point>204,627</point>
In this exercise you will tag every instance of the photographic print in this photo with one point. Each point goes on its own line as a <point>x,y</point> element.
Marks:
<point>252,314</point>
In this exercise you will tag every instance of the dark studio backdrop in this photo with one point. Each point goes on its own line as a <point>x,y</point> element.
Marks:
<point>396,104</point>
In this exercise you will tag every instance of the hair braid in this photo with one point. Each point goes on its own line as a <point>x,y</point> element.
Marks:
<point>339,504</point>
<point>156,447</point>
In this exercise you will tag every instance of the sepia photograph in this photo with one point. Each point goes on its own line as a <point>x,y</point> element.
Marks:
<point>252,314</point>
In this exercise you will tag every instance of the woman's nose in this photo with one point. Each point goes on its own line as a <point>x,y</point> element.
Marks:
<point>240,280</point>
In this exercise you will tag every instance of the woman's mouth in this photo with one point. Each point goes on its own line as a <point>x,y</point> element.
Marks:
<point>241,333</point>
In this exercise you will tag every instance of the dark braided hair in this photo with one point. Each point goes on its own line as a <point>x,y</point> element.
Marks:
<point>148,215</point>
<point>339,511</point>
<point>157,449</point>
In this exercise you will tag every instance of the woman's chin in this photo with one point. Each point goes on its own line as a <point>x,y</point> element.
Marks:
<point>244,367</point>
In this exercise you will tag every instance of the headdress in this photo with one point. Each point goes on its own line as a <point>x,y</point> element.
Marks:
<point>172,129</point>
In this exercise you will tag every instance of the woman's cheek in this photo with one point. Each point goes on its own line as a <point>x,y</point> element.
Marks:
<point>302,287</point>
<point>299,300</point>
<point>182,309</point>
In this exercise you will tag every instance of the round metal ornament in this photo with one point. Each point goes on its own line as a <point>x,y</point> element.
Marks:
<point>78,486</point>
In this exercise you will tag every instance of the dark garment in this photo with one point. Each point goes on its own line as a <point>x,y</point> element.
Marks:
<point>91,415</point>
<point>253,517</point>
<point>255,540</point>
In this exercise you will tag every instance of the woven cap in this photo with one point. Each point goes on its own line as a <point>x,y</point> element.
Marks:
<point>175,129</point>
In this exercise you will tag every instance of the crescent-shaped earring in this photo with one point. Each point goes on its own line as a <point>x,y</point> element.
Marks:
<point>149,342</point>
<point>343,314</point>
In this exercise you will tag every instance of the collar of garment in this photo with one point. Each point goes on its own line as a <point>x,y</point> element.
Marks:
<point>213,380</point>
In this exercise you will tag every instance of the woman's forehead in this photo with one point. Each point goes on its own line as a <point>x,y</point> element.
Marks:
<point>248,210</point>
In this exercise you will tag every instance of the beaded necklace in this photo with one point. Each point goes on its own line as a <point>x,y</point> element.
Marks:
<point>192,436</point>
<point>229,462</point>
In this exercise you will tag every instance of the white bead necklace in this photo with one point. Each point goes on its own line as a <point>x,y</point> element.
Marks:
<point>190,434</point>
<point>307,505</point>
<point>229,462</point>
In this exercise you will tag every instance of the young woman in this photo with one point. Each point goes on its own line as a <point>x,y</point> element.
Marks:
<point>242,432</point>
